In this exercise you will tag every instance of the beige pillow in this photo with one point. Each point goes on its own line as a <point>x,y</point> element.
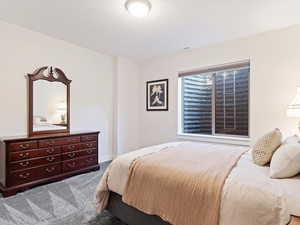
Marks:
<point>285,162</point>
<point>264,148</point>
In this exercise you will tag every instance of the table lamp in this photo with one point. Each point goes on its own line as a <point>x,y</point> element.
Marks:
<point>294,107</point>
<point>61,109</point>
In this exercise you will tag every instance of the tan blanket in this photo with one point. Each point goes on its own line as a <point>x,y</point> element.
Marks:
<point>182,185</point>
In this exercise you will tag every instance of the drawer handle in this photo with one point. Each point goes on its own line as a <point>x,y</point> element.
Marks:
<point>24,176</point>
<point>71,155</point>
<point>89,160</point>
<point>89,151</point>
<point>50,159</point>
<point>72,147</point>
<point>72,165</point>
<point>24,146</point>
<point>89,145</point>
<point>50,150</point>
<point>50,170</point>
<point>22,155</point>
<point>24,164</point>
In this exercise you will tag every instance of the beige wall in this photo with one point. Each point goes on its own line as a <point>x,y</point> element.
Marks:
<point>128,82</point>
<point>92,87</point>
<point>275,74</point>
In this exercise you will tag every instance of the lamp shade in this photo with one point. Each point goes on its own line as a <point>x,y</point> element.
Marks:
<point>294,108</point>
<point>62,107</point>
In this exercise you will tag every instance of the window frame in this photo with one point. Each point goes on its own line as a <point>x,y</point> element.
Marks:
<point>239,139</point>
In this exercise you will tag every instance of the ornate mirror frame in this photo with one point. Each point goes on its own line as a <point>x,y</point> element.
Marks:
<point>52,75</point>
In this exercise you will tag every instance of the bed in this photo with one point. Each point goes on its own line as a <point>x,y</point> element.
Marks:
<point>249,196</point>
<point>47,126</point>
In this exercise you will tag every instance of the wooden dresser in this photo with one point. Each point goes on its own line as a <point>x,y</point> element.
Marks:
<point>29,161</point>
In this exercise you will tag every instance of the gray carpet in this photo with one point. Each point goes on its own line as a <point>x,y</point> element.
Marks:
<point>68,202</point>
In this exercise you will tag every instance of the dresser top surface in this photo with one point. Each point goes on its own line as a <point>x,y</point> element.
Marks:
<point>45,136</point>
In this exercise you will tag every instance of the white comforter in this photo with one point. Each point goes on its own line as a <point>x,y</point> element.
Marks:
<point>249,197</point>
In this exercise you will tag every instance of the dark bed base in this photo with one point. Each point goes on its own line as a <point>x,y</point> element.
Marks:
<point>130,215</point>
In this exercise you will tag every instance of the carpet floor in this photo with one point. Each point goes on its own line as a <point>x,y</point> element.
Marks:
<point>68,202</point>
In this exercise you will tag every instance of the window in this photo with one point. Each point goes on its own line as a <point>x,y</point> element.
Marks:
<point>215,101</point>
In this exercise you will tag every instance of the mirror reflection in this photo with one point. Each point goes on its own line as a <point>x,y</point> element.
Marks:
<point>49,106</point>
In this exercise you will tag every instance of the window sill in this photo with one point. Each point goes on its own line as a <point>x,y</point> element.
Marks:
<point>245,141</point>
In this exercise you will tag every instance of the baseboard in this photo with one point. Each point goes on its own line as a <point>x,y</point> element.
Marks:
<point>105,158</point>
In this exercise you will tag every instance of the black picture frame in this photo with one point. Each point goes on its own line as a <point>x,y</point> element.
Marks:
<point>161,95</point>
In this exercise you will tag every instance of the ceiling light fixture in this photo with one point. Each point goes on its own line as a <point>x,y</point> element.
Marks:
<point>138,8</point>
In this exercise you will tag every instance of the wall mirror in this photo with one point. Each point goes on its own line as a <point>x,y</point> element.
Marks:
<point>49,102</point>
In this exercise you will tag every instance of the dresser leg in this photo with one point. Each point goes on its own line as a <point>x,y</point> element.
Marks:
<point>8,193</point>
<point>96,168</point>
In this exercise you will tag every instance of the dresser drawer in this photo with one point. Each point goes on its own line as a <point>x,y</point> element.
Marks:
<point>33,174</point>
<point>87,152</point>
<point>52,142</point>
<point>79,163</point>
<point>50,170</point>
<point>25,164</point>
<point>17,156</point>
<point>20,146</point>
<point>92,137</point>
<point>70,165</point>
<point>73,140</point>
<point>69,155</point>
<point>89,161</point>
<point>88,145</point>
<point>71,148</point>
<point>73,155</point>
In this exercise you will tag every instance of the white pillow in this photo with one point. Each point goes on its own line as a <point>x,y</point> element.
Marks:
<point>286,161</point>
<point>264,148</point>
<point>295,139</point>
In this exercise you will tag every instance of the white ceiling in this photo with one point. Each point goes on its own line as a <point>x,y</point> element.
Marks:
<point>105,26</point>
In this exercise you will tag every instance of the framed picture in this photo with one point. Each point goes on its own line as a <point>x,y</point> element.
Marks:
<point>157,95</point>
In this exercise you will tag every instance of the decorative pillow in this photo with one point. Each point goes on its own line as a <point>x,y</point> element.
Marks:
<point>285,162</point>
<point>264,148</point>
<point>295,139</point>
